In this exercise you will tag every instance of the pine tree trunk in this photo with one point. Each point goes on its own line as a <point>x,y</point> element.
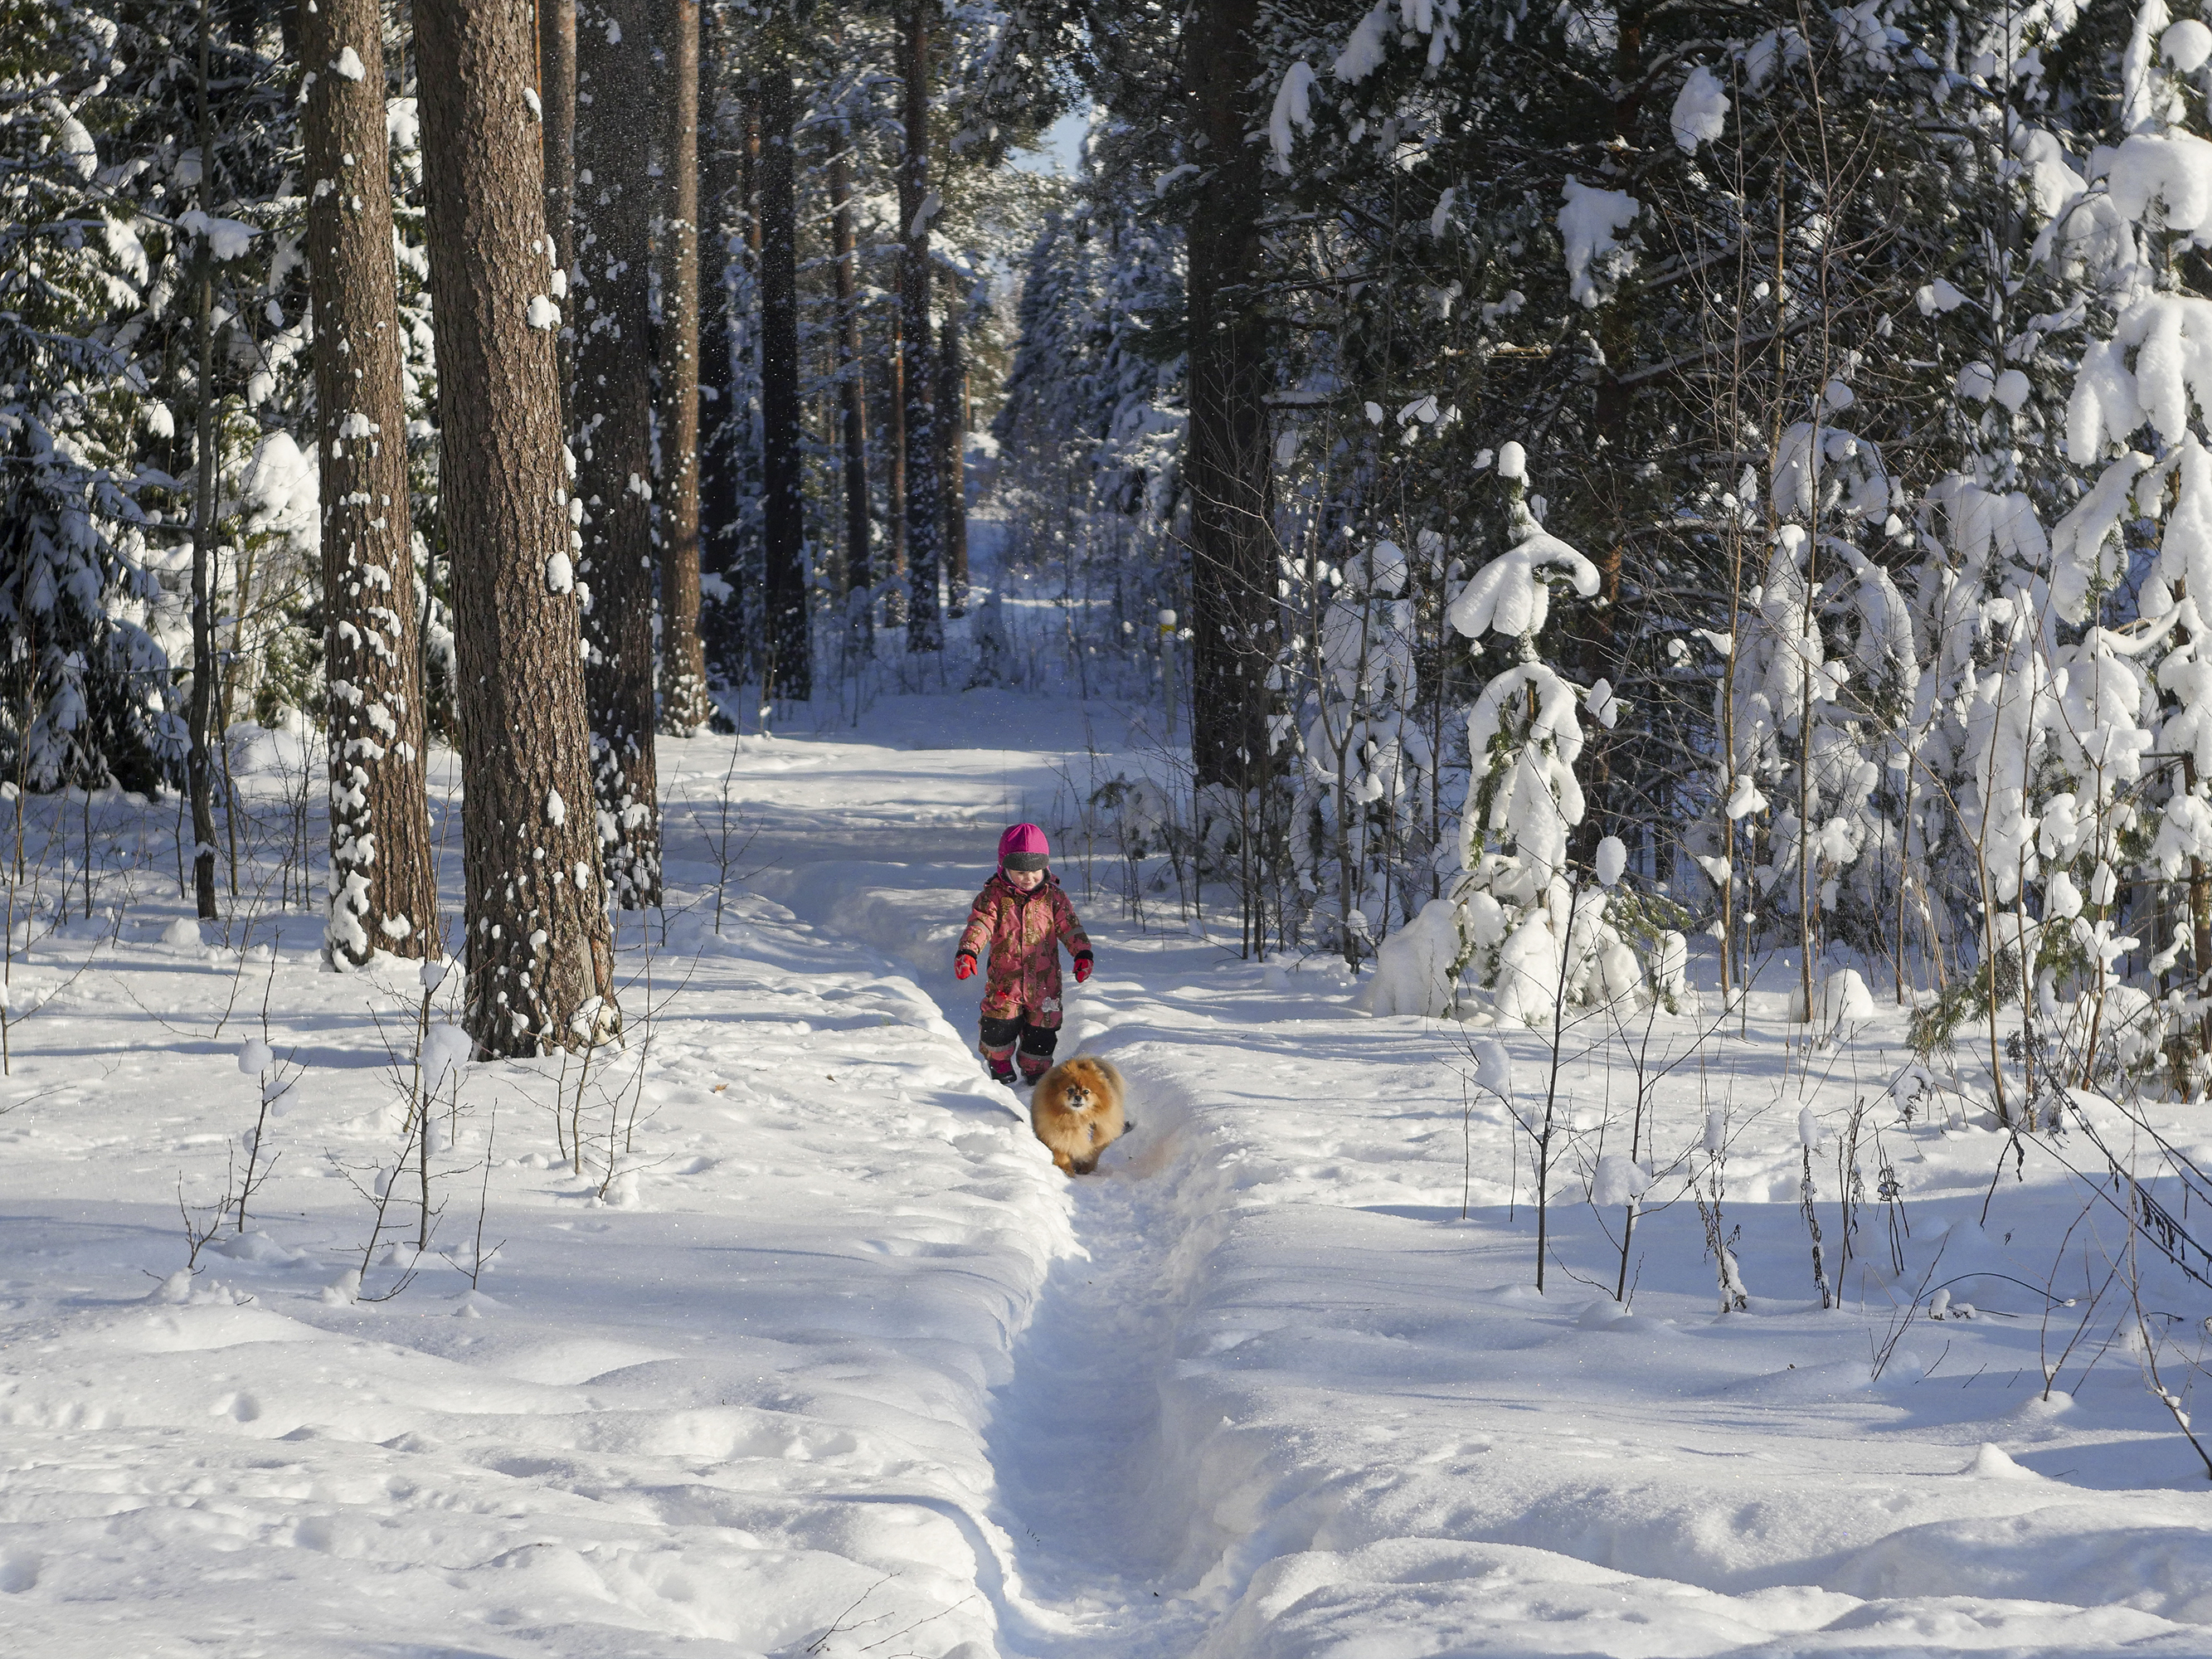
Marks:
<point>1226,465</point>
<point>556,93</point>
<point>924,626</point>
<point>615,88</point>
<point>383,887</point>
<point>724,420</point>
<point>199,763</point>
<point>895,465</point>
<point>952,457</point>
<point>791,664</point>
<point>683,657</point>
<point>541,970</point>
<point>853,392</point>
<point>1601,651</point>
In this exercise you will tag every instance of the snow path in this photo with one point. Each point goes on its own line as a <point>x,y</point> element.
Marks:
<point>1285,1404</point>
<point>834,1365</point>
<point>1082,1505</point>
<point>1075,1439</point>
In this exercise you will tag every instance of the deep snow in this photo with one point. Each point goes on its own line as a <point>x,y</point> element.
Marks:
<point>839,1364</point>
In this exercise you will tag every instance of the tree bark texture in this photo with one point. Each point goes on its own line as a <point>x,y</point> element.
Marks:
<point>1597,625</point>
<point>924,625</point>
<point>1225,464</point>
<point>383,887</point>
<point>853,392</point>
<point>685,708</point>
<point>894,468</point>
<point>725,415</point>
<point>556,93</point>
<point>790,647</point>
<point>199,759</point>
<point>541,968</point>
<point>951,451</point>
<point>615,88</point>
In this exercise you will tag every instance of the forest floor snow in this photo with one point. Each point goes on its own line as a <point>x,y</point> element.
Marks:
<point>818,1355</point>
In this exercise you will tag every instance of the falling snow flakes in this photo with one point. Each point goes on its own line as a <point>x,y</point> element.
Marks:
<point>557,810</point>
<point>349,64</point>
<point>560,574</point>
<point>542,313</point>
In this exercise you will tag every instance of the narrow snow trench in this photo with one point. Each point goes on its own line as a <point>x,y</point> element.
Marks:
<point>1091,1514</point>
<point>1082,1494</point>
<point>1084,1491</point>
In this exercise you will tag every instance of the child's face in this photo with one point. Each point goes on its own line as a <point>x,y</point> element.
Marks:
<point>1026,880</point>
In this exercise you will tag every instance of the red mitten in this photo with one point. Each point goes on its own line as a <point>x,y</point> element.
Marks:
<point>1082,968</point>
<point>963,966</point>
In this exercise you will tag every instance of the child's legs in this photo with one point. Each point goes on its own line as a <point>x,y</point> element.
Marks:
<point>998,1037</point>
<point>1038,1043</point>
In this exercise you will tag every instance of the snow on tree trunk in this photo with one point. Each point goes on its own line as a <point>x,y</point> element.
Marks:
<point>616,84</point>
<point>684,659</point>
<point>729,446</point>
<point>918,206</point>
<point>383,894</point>
<point>787,621</point>
<point>952,430</point>
<point>540,960</point>
<point>199,765</point>
<point>852,390</point>
<point>556,97</point>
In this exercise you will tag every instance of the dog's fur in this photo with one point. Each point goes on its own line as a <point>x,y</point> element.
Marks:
<point>1077,1112</point>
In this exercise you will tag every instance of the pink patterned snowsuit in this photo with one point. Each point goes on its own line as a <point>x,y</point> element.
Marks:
<point>1023,932</point>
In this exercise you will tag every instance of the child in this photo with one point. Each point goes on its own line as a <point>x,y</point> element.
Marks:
<point>1024,917</point>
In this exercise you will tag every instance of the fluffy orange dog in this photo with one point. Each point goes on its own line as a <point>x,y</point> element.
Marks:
<point>1077,1112</point>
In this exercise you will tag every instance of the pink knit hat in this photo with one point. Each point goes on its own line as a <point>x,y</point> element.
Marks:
<point>1024,847</point>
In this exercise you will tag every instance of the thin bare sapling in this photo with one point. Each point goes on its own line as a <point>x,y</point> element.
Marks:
<point>1625,1183</point>
<point>1809,1136</point>
<point>1710,1187</point>
<point>273,1080</point>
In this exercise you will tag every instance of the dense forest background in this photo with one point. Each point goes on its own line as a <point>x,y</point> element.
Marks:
<point>1569,481</point>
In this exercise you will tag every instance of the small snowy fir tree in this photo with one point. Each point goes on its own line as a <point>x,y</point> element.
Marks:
<point>1524,932</point>
<point>1366,756</point>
